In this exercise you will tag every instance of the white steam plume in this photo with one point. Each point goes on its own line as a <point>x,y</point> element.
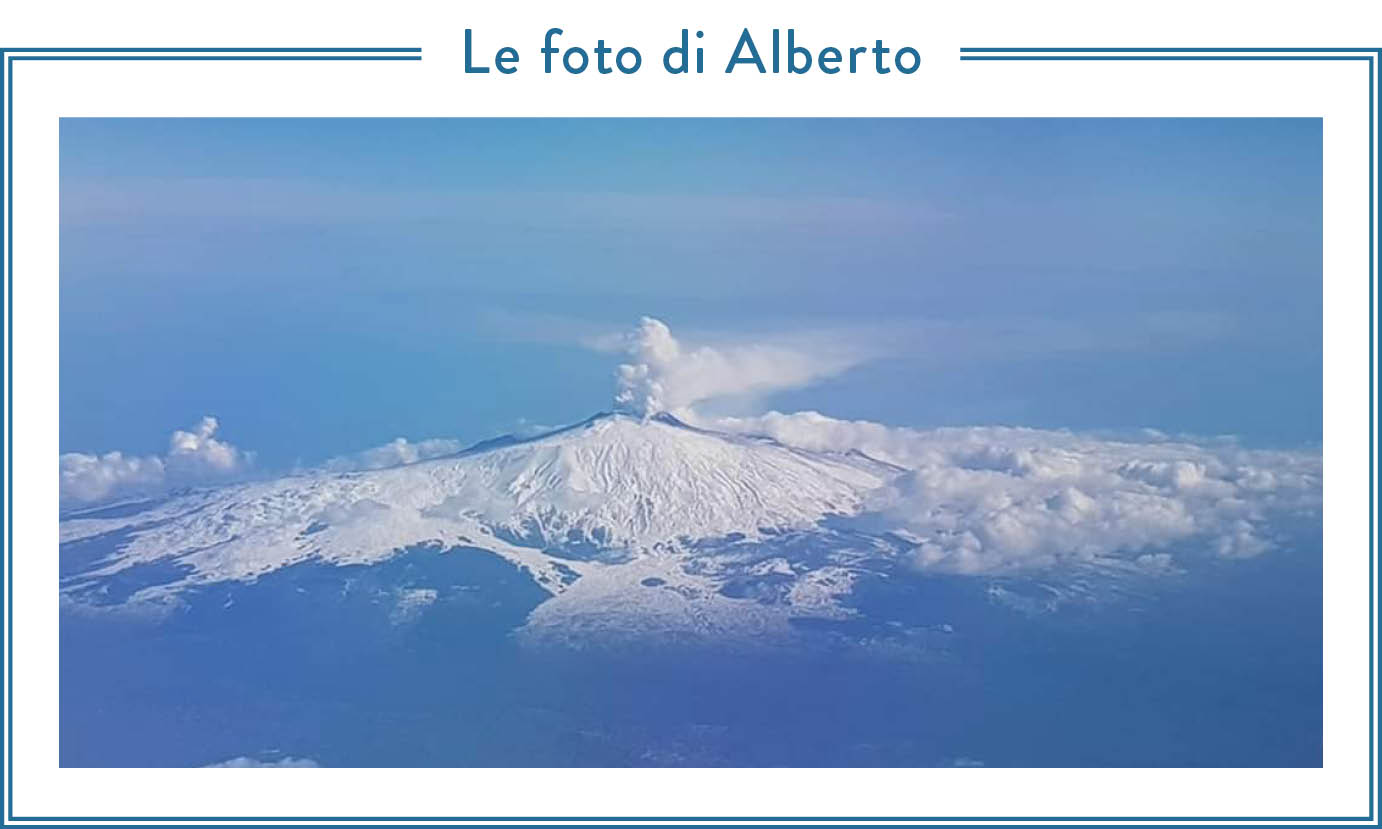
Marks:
<point>664,375</point>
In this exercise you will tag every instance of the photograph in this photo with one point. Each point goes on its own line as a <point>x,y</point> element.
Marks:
<point>792,442</point>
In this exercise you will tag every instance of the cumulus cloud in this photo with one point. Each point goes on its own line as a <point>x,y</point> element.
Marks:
<point>197,456</point>
<point>194,456</point>
<point>665,375</point>
<point>198,453</point>
<point>87,478</point>
<point>991,499</point>
<point>396,452</point>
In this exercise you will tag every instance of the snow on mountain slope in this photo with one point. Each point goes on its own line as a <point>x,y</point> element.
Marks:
<point>563,506</point>
<point>617,482</point>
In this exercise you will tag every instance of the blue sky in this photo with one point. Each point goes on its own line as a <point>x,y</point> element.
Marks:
<point>321,286</point>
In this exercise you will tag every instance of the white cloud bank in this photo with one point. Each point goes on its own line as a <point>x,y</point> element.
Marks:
<point>993,499</point>
<point>195,456</point>
<point>990,499</point>
<point>664,375</point>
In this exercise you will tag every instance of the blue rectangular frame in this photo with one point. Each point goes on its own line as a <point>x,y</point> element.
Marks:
<point>8,57</point>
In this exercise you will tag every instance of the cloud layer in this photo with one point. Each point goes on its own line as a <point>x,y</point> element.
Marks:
<point>991,499</point>
<point>197,457</point>
<point>664,375</point>
<point>194,456</point>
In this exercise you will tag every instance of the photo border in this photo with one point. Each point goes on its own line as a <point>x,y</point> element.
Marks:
<point>8,56</point>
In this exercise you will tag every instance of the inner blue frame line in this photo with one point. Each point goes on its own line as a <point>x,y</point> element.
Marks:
<point>9,433</point>
<point>1372,421</point>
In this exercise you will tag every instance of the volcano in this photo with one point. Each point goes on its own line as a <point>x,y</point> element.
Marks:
<point>601,510</point>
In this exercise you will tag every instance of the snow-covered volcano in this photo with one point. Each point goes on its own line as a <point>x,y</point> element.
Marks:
<point>616,482</point>
<point>611,501</point>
